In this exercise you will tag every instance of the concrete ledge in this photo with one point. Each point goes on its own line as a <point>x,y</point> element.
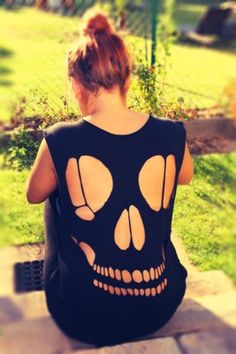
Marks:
<point>166,345</point>
<point>209,282</point>
<point>209,342</point>
<point>205,128</point>
<point>209,312</point>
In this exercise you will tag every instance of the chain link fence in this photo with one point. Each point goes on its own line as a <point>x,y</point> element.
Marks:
<point>36,36</point>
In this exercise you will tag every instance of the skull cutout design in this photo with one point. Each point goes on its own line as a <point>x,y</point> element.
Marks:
<point>90,184</point>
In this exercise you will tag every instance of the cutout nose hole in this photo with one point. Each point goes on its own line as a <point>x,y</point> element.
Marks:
<point>129,226</point>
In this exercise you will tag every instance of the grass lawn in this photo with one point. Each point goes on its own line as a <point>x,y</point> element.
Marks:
<point>190,12</point>
<point>205,211</point>
<point>203,216</point>
<point>33,51</point>
<point>20,222</point>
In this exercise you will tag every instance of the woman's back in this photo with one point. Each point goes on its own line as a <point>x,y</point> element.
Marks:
<point>115,275</point>
<point>117,266</point>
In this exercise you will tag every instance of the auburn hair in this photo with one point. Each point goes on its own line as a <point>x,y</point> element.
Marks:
<point>100,57</point>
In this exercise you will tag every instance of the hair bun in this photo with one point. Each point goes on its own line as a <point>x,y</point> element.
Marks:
<point>97,24</point>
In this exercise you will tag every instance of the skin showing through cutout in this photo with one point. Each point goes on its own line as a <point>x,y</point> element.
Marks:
<point>129,226</point>
<point>97,181</point>
<point>89,184</point>
<point>153,176</point>
<point>137,228</point>
<point>169,179</point>
<point>73,182</point>
<point>150,181</point>
<point>122,235</point>
<point>90,194</point>
<point>125,276</point>
<point>88,251</point>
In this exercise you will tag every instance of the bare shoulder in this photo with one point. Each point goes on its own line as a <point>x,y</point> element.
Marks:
<point>139,115</point>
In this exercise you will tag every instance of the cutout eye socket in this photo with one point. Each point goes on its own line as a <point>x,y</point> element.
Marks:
<point>73,182</point>
<point>89,184</point>
<point>169,180</point>
<point>150,180</point>
<point>156,180</point>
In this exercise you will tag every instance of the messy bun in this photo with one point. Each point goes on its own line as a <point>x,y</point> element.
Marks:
<point>97,25</point>
<point>100,58</point>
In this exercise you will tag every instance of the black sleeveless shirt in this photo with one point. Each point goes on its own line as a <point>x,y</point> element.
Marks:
<point>118,275</point>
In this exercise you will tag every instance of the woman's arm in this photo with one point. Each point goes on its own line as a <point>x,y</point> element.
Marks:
<point>42,180</point>
<point>187,168</point>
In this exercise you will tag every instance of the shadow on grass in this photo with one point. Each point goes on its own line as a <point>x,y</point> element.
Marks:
<point>4,70</point>
<point>215,170</point>
<point>221,46</point>
<point>189,13</point>
<point>5,52</point>
<point>6,83</point>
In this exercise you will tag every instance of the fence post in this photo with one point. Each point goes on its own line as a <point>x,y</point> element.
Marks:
<point>154,8</point>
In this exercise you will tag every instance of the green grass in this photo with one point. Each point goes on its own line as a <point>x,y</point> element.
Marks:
<point>33,51</point>
<point>20,221</point>
<point>189,13</point>
<point>204,214</point>
<point>35,44</point>
<point>203,217</point>
<point>199,75</point>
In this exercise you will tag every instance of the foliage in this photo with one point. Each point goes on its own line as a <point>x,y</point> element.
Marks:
<point>166,35</point>
<point>22,143</point>
<point>20,149</point>
<point>151,84</point>
<point>121,4</point>
<point>149,93</point>
<point>196,73</point>
<point>49,114</point>
<point>228,100</point>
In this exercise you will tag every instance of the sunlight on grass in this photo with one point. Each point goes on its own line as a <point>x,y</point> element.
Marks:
<point>35,44</point>
<point>33,52</point>
<point>20,221</point>
<point>189,13</point>
<point>199,75</point>
<point>203,217</point>
<point>204,214</point>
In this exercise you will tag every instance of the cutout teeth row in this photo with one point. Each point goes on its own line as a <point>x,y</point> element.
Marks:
<point>131,291</point>
<point>137,275</point>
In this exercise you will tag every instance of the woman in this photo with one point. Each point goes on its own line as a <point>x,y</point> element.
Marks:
<point>109,183</point>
